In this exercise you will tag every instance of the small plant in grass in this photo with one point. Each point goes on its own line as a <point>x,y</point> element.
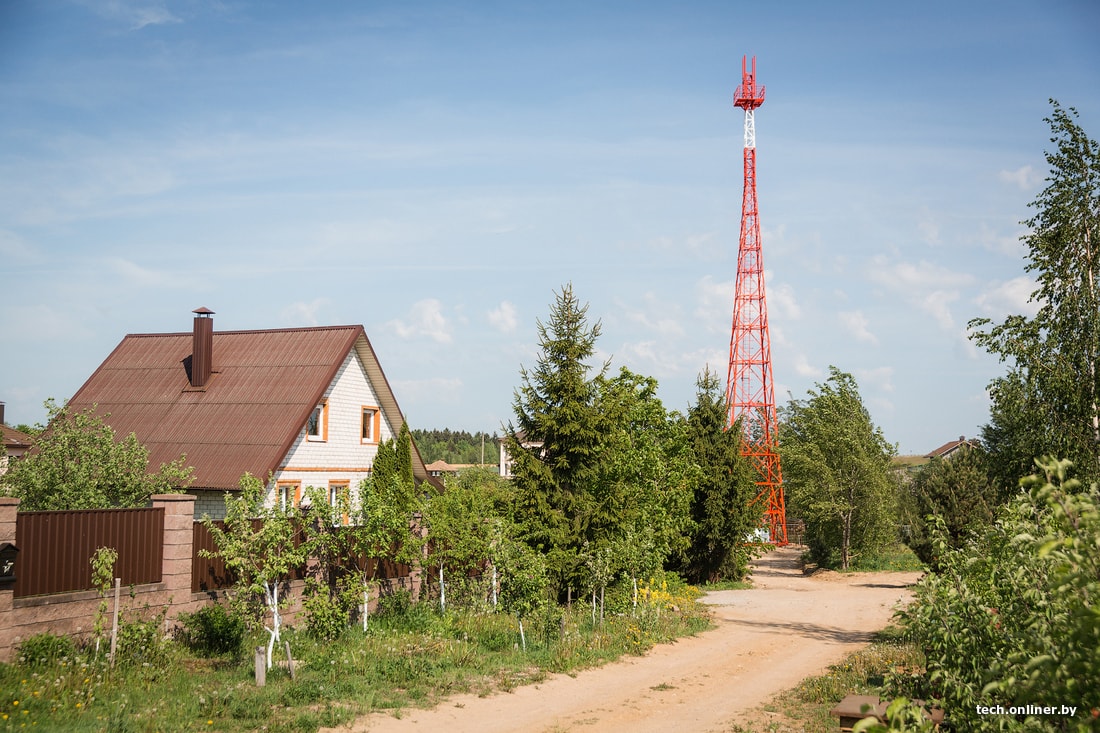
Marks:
<point>103,574</point>
<point>42,650</point>
<point>212,631</point>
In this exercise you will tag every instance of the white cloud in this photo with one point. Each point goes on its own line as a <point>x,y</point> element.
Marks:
<point>1008,298</point>
<point>437,389</point>
<point>134,13</point>
<point>425,319</point>
<point>1005,244</point>
<point>503,318</point>
<point>928,227</point>
<point>936,304</point>
<point>139,275</point>
<point>714,303</point>
<point>925,285</point>
<point>881,378</point>
<point>656,316</point>
<point>783,299</point>
<point>803,368</point>
<point>1025,178</point>
<point>856,324</point>
<point>304,314</point>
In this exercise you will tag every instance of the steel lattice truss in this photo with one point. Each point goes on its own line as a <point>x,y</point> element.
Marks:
<point>750,391</point>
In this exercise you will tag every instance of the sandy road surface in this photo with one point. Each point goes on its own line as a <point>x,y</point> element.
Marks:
<point>767,639</point>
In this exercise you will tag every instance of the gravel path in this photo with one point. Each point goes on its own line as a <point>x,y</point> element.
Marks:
<point>788,627</point>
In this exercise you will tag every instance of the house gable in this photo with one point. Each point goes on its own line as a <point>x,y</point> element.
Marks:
<point>249,413</point>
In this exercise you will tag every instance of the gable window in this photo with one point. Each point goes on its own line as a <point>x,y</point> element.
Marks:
<point>371,424</point>
<point>339,498</point>
<point>288,494</point>
<point>317,424</point>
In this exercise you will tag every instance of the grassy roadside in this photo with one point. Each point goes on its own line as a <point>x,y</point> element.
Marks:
<point>805,709</point>
<point>407,660</point>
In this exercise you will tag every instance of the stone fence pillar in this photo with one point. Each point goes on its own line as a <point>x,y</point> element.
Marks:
<point>9,506</point>
<point>179,515</point>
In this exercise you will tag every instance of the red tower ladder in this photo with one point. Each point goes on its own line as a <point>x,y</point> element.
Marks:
<point>750,392</point>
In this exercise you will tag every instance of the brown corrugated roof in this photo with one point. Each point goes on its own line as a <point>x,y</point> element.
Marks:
<point>15,439</point>
<point>263,387</point>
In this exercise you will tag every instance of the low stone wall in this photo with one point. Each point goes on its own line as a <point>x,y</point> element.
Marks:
<point>74,613</point>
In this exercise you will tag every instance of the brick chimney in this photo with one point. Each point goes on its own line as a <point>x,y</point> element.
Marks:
<point>202,347</point>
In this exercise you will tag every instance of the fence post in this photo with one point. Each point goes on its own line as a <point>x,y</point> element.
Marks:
<point>179,516</point>
<point>9,506</point>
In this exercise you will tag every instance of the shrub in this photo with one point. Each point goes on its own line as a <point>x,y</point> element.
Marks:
<point>1009,619</point>
<point>212,631</point>
<point>43,650</point>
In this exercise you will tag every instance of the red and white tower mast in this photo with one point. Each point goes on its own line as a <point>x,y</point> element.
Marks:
<point>750,392</point>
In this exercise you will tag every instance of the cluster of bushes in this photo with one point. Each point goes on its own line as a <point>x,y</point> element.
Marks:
<point>199,677</point>
<point>1009,619</point>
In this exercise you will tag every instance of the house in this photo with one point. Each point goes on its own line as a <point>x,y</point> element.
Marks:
<point>441,468</point>
<point>297,407</point>
<point>16,443</point>
<point>952,447</point>
<point>506,460</point>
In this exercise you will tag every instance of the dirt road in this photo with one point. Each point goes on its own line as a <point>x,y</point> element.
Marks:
<point>767,639</point>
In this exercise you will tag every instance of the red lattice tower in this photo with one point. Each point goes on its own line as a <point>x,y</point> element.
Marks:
<point>750,393</point>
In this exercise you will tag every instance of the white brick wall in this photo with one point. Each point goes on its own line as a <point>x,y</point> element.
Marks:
<point>342,456</point>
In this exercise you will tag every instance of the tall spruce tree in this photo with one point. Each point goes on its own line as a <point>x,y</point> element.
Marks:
<point>556,439</point>
<point>723,511</point>
<point>1049,402</point>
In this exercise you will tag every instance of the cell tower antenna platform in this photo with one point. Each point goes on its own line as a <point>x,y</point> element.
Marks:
<point>750,391</point>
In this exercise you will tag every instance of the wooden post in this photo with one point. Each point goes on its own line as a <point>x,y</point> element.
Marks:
<point>289,660</point>
<point>260,663</point>
<point>114,622</point>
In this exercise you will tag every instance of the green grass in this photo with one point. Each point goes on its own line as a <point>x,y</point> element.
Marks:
<point>805,709</point>
<point>398,663</point>
<point>898,558</point>
<point>727,585</point>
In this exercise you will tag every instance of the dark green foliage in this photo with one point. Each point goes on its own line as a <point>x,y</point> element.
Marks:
<point>43,650</point>
<point>1049,402</point>
<point>722,507</point>
<point>77,463</point>
<point>836,466</point>
<point>1010,619</point>
<point>212,631</point>
<point>956,491</point>
<point>457,446</point>
<point>556,407</point>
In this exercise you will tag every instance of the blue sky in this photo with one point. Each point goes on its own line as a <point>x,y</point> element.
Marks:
<point>435,171</point>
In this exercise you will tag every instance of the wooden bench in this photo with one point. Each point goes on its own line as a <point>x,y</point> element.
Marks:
<point>849,711</point>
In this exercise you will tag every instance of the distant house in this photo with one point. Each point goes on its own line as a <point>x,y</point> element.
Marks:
<point>441,468</point>
<point>16,443</point>
<point>506,460</point>
<point>295,407</point>
<point>951,448</point>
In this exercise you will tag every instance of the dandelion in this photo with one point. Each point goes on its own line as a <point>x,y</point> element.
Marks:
<point>80,704</point>
<point>15,703</point>
<point>210,722</point>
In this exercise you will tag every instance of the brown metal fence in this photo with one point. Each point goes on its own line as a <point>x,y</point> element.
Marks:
<point>55,548</point>
<point>210,573</point>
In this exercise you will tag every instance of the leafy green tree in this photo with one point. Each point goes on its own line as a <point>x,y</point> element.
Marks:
<point>723,511</point>
<point>467,522</point>
<point>387,502</point>
<point>640,511</point>
<point>556,409</point>
<point>1049,402</point>
<point>259,554</point>
<point>77,463</point>
<point>1010,618</point>
<point>836,465</point>
<point>956,492</point>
